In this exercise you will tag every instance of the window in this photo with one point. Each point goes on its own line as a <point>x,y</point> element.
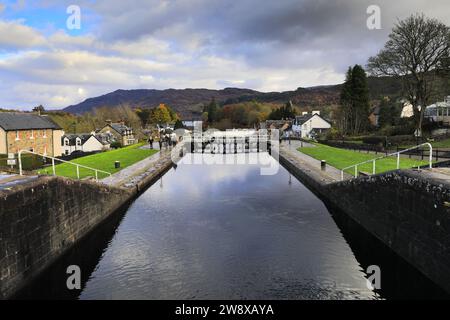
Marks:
<point>78,142</point>
<point>44,133</point>
<point>17,135</point>
<point>66,142</point>
<point>32,134</point>
<point>67,152</point>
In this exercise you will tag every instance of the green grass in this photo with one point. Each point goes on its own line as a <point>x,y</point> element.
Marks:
<point>102,161</point>
<point>341,158</point>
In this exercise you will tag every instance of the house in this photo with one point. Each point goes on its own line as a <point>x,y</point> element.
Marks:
<point>281,125</point>
<point>120,133</point>
<point>31,132</point>
<point>309,125</point>
<point>85,142</point>
<point>439,111</point>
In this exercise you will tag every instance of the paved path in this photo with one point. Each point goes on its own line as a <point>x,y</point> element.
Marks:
<point>126,174</point>
<point>307,163</point>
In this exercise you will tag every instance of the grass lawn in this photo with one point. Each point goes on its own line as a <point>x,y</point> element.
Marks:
<point>341,158</point>
<point>102,161</point>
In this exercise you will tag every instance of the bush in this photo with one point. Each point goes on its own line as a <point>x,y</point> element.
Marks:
<point>374,140</point>
<point>401,139</point>
<point>115,145</point>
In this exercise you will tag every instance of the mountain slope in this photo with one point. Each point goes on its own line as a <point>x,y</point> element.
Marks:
<point>188,102</point>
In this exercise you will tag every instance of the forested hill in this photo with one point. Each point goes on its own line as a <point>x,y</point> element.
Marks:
<point>188,102</point>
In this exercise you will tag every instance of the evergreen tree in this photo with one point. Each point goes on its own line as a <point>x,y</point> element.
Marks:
<point>354,113</point>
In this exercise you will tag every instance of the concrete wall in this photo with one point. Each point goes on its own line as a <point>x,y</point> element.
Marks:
<point>406,210</point>
<point>42,220</point>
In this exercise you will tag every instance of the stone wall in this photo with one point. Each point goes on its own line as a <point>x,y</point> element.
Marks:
<point>41,141</point>
<point>408,211</point>
<point>41,220</point>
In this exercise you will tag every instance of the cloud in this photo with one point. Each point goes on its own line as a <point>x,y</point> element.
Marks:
<point>278,45</point>
<point>14,35</point>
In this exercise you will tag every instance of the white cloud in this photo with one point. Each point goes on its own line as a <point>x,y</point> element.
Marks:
<point>280,45</point>
<point>14,36</point>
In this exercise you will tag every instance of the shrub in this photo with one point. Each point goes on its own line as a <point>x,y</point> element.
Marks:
<point>374,140</point>
<point>115,145</point>
<point>401,139</point>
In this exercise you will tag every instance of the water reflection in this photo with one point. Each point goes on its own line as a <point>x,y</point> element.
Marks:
<point>226,232</point>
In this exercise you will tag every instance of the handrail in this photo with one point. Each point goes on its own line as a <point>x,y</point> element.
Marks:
<point>60,160</point>
<point>390,155</point>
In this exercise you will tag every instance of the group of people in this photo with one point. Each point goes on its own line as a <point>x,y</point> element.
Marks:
<point>165,140</point>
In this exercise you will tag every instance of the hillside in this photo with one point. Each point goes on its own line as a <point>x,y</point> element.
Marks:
<point>188,102</point>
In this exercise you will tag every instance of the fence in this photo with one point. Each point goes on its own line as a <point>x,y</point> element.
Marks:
<point>77,166</point>
<point>396,154</point>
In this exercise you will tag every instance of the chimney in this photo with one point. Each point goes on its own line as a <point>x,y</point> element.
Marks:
<point>316,112</point>
<point>108,122</point>
<point>304,113</point>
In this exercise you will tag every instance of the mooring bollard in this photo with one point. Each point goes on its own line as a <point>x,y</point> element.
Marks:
<point>323,165</point>
<point>117,164</point>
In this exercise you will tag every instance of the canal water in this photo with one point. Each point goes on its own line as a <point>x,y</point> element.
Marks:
<point>225,231</point>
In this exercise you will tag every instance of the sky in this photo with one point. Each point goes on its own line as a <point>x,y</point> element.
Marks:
<point>264,45</point>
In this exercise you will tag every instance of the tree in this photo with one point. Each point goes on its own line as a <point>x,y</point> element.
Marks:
<point>40,108</point>
<point>212,111</point>
<point>144,116</point>
<point>354,113</point>
<point>389,113</point>
<point>417,50</point>
<point>160,115</point>
<point>285,112</point>
<point>178,125</point>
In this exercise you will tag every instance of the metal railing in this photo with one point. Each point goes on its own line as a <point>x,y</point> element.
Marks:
<point>78,166</point>
<point>397,154</point>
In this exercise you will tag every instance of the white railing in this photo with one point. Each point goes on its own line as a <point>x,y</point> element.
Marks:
<point>78,166</point>
<point>397,154</point>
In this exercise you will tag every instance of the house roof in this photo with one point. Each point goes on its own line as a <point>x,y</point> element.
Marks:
<point>121,128</point>
<point>25,121</point>
<point>73,137</point>
<point>302,119</point>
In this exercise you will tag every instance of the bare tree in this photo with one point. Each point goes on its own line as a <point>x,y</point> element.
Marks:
<point>416,52</point>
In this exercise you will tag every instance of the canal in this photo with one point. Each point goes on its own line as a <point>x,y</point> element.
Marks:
<point>225,231</point>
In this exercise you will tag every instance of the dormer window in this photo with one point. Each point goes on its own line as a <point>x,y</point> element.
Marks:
<point>66,142</point>
<point>78,142</point>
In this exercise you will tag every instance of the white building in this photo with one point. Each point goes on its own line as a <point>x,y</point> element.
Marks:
<point>309,125</point>
<point>84,142</point>
<point>439,111</point>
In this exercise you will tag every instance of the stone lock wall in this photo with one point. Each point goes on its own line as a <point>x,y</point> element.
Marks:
<point>406,210</point>
<point>40,221</point>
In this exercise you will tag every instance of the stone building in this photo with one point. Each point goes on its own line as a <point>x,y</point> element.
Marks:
<point>121,133</point>
<point>31,132</point>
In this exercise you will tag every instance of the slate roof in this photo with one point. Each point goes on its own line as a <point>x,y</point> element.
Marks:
<point>72,138</point>
<point>121,128</point>
<point>302,119</point>
<point>25,121</point>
